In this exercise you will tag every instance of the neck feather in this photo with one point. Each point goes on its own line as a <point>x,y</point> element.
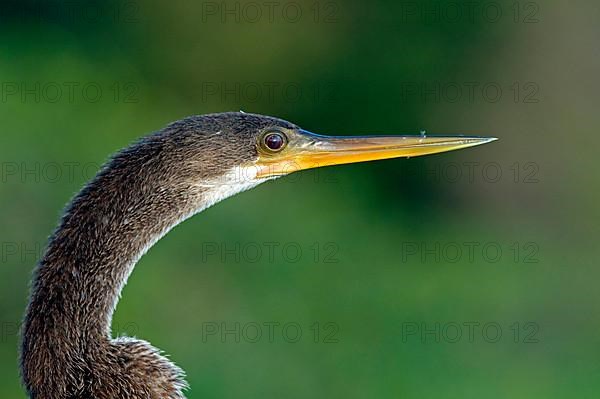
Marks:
<point>104,232</point>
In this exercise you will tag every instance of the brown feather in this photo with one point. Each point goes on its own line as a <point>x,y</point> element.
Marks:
<point>144,190</point>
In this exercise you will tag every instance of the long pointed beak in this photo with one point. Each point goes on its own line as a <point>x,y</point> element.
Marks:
<point>309,150</point>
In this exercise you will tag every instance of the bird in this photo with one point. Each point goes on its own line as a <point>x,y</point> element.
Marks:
<point>138,195</point>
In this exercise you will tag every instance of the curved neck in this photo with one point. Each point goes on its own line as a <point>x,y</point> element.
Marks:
<point>135,199</point>
<point>108,226</point>
<point>104,232</point>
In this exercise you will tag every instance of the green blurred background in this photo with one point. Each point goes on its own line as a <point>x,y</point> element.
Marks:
<point>374,257</point>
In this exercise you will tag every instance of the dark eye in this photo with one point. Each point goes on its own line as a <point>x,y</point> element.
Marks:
<point>274,141</point>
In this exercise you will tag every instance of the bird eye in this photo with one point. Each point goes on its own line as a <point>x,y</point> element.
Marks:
<point>274,141</point>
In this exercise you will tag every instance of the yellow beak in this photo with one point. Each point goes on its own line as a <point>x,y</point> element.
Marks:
<point>308,150</point>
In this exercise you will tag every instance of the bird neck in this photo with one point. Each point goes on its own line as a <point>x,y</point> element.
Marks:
<point>104,232</point>
<point>134,201</point>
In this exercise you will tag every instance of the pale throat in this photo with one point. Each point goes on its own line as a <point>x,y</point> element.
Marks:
<point>212,191</point>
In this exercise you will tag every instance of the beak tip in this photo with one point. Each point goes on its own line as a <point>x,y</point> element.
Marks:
<point>485,140</point>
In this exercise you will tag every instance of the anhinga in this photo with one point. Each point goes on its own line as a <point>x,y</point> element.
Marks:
<point>136,198</point>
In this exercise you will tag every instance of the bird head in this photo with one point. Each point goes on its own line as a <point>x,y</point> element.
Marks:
<point>254,148</point>
<point>208,158</point>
